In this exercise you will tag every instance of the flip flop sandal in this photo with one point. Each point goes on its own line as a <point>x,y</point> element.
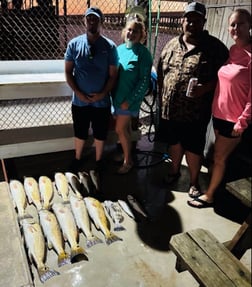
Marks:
<point>203,203</point>
<point>194,192</point>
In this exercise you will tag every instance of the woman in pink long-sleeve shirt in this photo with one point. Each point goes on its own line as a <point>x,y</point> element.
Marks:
<point>232,102</point>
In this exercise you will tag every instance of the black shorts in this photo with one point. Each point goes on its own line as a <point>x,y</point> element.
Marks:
<point>96,118</point>
<point>223,127</point>
<point>191,135</point>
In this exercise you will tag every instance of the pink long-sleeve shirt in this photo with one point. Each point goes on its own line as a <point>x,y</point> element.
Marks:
<point>232,99</point>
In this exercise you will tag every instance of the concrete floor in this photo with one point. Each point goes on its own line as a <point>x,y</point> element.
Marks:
<point>143,257</point>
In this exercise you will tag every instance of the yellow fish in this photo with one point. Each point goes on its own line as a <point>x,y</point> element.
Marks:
<point>69,230</point>
<point>32,191</point>
<point>35,243</point>
<point>46,190</point>
<point>97,213</point>
<point>62,187</point>
<point>53,235</point>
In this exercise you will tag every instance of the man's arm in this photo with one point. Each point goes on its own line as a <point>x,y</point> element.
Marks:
<point>113,73</point>
<point>69,67</point>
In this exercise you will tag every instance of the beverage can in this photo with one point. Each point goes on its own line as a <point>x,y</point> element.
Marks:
<point>193,82</point>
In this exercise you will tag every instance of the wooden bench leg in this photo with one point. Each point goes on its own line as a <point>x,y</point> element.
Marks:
<point>241,240</point>
<point>180,265</point>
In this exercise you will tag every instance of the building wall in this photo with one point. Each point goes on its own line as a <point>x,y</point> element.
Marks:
<point>218,12</point>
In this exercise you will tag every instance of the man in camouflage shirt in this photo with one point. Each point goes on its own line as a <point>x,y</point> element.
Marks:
<point>183,120</point>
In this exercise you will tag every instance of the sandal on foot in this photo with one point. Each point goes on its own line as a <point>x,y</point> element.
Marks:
<point>125,168</point>
<point>194,191</point>
<point>171,178</point>
<point>199,203</point>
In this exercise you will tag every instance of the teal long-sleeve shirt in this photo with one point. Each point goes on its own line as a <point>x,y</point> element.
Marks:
<point>134,76</point>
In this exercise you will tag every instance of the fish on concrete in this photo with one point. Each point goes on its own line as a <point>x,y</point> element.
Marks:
<point>86,181</point>
<point>19,198</point>
<point>69,230</point>
<point>95,178</point>
<point>126,208</point>
<point>136,205</point>
<point>61,185</point>
<point>83,221</point>
<point>46,191</point>
<point>52,232</point>
<point>74,183</point>
<point>97,213</point>
<point>35,243</point>
<point>32,191</point>
<point>115,213</point>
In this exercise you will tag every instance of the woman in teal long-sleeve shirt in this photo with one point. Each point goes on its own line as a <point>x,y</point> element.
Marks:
<point>132,85</point>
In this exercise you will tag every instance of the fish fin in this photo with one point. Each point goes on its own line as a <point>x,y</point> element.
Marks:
<point>112,238</point>
<point>91,241</point>
<point>24,216</point>
<point>119,227</point>
<point>78,254</point>
<point>49,244</point>
<point>66,201</point>
<point>63,259</point>
<point>46,273</point>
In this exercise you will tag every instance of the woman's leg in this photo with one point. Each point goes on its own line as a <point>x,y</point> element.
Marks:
<point>223,147</point>
<point>122,130</point>
<point>194,165</point>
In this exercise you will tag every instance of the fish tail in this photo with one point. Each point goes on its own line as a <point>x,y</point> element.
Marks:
<point>46,273</point>
<point>119,227</point>
<point>46,206</point>
<point>63,259</point>
<point>112,238</point>
<point>91,241</point>
<point>78,254</point>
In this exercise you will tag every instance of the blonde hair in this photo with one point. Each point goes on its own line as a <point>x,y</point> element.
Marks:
<point>137,21</point>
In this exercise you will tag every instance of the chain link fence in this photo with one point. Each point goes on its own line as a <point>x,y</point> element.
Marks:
<point>41,29</point>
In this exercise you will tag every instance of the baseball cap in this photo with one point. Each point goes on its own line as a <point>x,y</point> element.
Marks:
<point>95,11</point>
<point>196,7</point>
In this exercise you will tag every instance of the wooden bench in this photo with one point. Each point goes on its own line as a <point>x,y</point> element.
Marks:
<point>208,260</point>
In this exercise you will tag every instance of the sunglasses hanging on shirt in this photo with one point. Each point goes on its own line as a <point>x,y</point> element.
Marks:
<point>91,52</point>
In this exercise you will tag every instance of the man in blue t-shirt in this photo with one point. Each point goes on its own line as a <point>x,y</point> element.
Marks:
<point>91,67</point>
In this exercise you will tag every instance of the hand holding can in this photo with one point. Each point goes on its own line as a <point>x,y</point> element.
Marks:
<point>193,82</point>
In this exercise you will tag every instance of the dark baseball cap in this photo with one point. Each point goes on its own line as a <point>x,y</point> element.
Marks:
<point>95,11</point>
<point>196,7</point>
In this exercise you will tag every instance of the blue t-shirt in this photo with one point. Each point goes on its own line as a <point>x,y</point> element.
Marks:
<point>91,66</point>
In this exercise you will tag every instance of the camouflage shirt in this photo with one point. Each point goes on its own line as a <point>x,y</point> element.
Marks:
<point>177,65</point>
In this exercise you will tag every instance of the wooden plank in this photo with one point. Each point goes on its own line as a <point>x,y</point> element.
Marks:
<point>204,270</point>
<point>222,257</point>
<point>241,189</point>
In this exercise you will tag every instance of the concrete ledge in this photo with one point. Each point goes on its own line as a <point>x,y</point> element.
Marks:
<point>14,268</point>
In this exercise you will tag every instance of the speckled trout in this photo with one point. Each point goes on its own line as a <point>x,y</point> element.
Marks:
<point>19,198</point>
<point>32,191</point>
<point>74,183</point>
<point>86,181</point>
<point>46,191</point>
<point>97,213</point>
<point>35,243</point>
<point>53,235</point>
<point>69,230</point>
<point>82,220</point>
<point>115,212</point>
<point>62,187</point>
